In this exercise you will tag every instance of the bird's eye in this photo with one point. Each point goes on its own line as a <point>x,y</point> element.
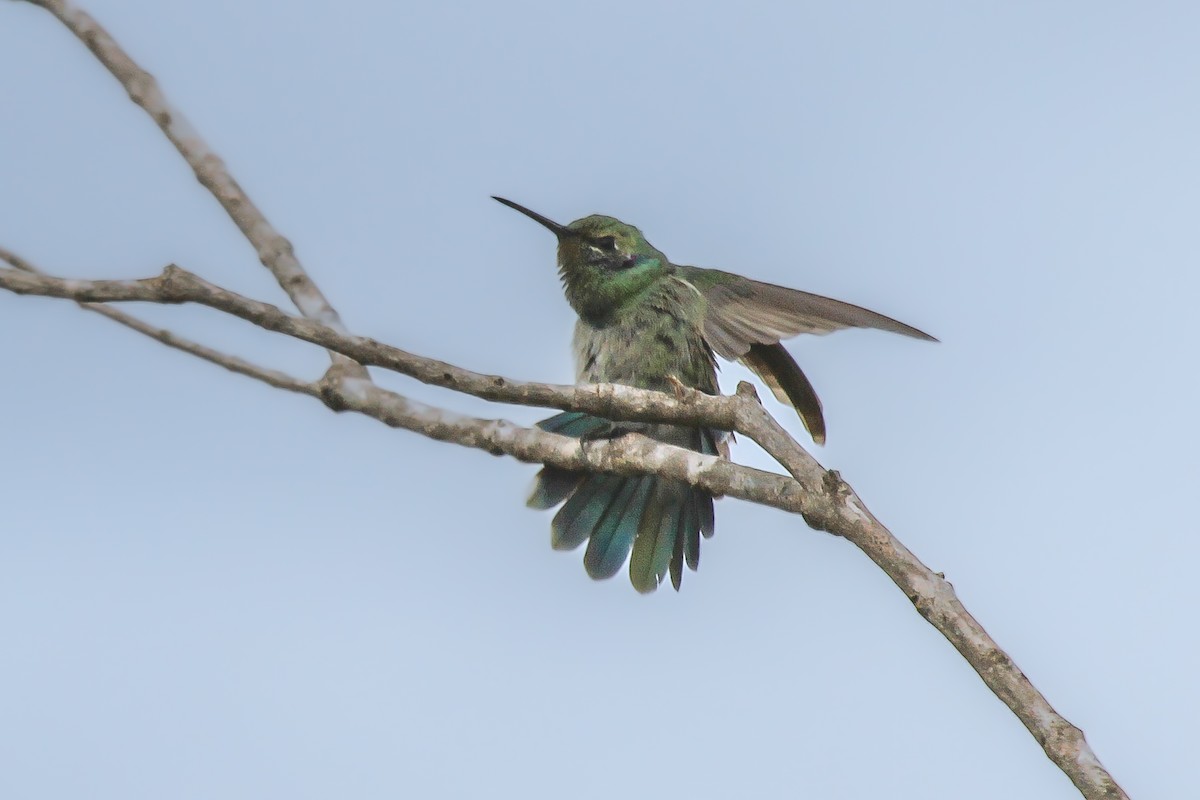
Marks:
<point>606,243</point>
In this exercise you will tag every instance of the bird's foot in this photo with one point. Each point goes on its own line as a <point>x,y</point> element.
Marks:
<point>611,431</point>
<point>678,387</point>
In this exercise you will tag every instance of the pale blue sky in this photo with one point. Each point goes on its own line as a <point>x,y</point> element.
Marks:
<point>209,588</point>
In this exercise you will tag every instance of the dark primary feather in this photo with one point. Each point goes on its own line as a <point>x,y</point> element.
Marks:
<point>779,371</point>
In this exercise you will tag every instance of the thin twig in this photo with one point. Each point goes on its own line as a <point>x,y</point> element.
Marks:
<point>274,250</point>
<point>271,377</point>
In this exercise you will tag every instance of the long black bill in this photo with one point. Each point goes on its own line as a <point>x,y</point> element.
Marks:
<point>559,230</point>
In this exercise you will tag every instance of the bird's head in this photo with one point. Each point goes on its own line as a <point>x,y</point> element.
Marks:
<point>604,263</point>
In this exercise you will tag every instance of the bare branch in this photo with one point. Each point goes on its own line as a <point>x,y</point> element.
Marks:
<point>274,250</point>
<point>935,599</point>
<point>822,497</point>
<point>271,377</point>
<point>625,456</point>
<point>632,454</point>
<point>176,285</point>
<point>629,455</point>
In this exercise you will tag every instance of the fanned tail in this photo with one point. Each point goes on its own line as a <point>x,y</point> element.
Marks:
<point>654,522</point>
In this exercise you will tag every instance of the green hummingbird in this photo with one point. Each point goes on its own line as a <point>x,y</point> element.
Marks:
<point>648,323</point>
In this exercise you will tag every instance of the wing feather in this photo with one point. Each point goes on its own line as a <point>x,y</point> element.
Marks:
<point>741,312</point>
<point>780,372</point>
<point>745,320</point>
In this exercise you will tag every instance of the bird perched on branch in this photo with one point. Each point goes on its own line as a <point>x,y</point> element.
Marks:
<point>648,323</point>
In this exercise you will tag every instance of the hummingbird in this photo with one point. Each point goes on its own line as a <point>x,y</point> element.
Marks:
<point>649,323</point>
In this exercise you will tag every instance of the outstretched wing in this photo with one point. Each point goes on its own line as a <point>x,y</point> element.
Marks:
<point>745,320</point>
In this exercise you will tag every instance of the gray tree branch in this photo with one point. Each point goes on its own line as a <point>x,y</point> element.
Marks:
<point>824,500</point>
<point>274,250</point>
<point>271,377</point>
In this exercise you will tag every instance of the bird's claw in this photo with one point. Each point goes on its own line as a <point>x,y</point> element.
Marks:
<point>677,387</point>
